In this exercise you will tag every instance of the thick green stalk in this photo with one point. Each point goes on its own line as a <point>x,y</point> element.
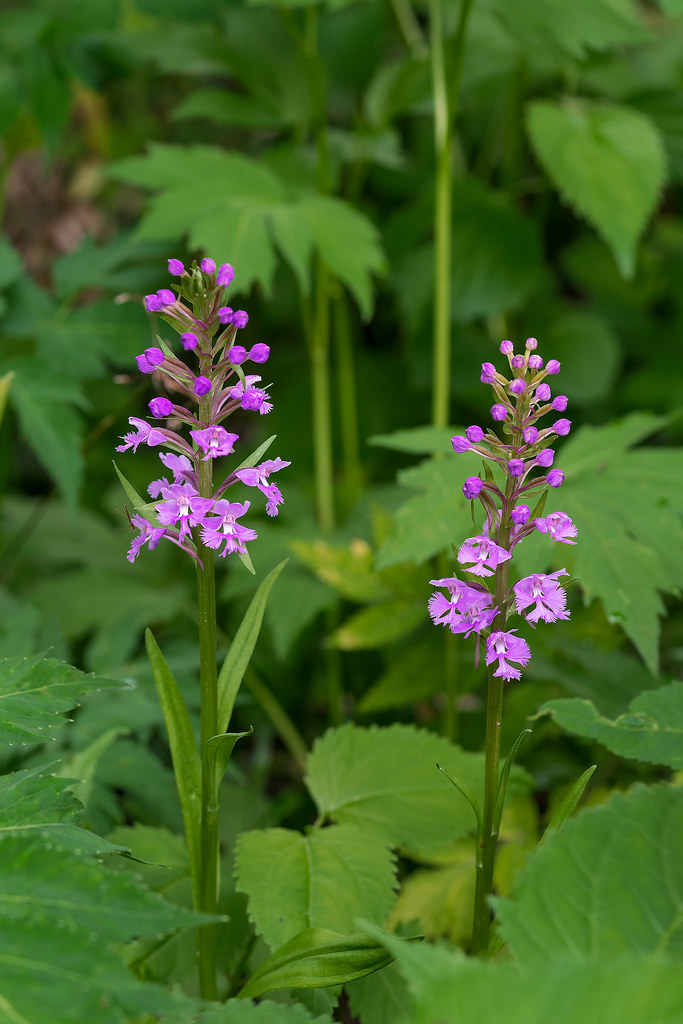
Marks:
<point>208,676</point>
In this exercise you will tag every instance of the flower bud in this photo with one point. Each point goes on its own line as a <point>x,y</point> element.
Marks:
<point>160,407</point>
<point>225,315</point>
<point>560,403</point>
<point>520,515</point>
<point>530,434</point>
<point>166,297</point>
<point>225,275</point>
<point>562,427</point>
<point>542,393</point>
<point>499,412</point>
<point>488,373</point>
<point>535,362</point>
<point>517,362</point>
<point>207,266</point>
<point>472,487</point>
<point>176,268</point>
<point>240,318</point>
<point>517,386</point>
<point>555,478</point>
<point>552,366</point>
<point>202,386</point>
<point>149,360</point>
<point>531,343</point>
<point>460,444</point>
<point>515,467</point>
<point>475,434</point>
<point>189,341</point>
<point>545,458</point>
<point>237,354</point>
<point>259,352</point>
<point>506,347</point>
<point>153,304</point>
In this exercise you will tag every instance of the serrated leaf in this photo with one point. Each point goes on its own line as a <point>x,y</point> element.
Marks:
<point>385,781</point>
<point>317,958</point>
<point>426,440</point>
<point>380,998</point>
<point>440,899</point>
<point>378,625</point>
<point>651,730</point>
<point>325,879</point>
<point>607,162</point>
<point>34,692</point>
<point>586,25</point>
<point>629,901</point>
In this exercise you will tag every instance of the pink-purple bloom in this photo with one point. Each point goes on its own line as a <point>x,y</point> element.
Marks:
<point>183,507</point>
<point>225,275</point>
<point>481,556</point>
<point>160,407</point>
<point>189,341</point>
<point>472,487</point>
<point>250,397</point>
<point>504,647</point>
<point>222,528</point>
<point>558,526</point>
<point>148,534</point>
<point>144,434</point>
<point>499,412</point>
<point>214,441</point>
<point>176,268</point>
<point>257,476</point>
<point>202,386</point>
<point>545,593</point>
<point>466,610</point>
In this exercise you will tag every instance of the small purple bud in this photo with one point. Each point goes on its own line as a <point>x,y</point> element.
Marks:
<point>237,354</point>
<point>202,386</point>
<point>155,356</point>
<point>552,366</point>
<point>472,487</point>
<point>542,392</point>
<point>562,427</point>
<point>240,318</point>
<point>515,467</point>
<point>460,444</point>
<point>535,362</point>
<point>499,412</point>
<point>166,297</point>
<point>259,352</point>
<point>560,403</point>
<point>530,434</point>
<point>160,407</point>
<point>488,373</point>
<point>517,386</point>
<point>555,478</point>
<point>520,515</point>
<point>475,434</point>
<point>189,341</point>
<point>152,303</point>
<point>506,347</point>
<point>531,343</point>
<point>225,315</point>
<point>207,266</point>
<point>144,365</point>
<point>517,362</point>
<point>225,275</point>
<point>176,268</point>
<point>545,458</point>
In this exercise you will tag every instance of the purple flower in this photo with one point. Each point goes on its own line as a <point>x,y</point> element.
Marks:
<point>237,354</point>
<point>542,393</point>
<point>145,435</point>
<point>520,514</point>
<point>552,366</point>
<point>148,535</point>
<point>545,594</point>
<point>545,458</point>
<point>257,476</point>
<point>225,275</point>
<point>530,434</point>
<point>501,646</point>
<point>515,467</point>
<point>222,526</point>
<point>189,341</point>
<point>149,360</point>
<point>467,610</point>
<point>560,403</point>
<point>240,318</point>
<point>562,427</point>
<point>160,407</point>
<point>182,506</point>
<point>474,434</point>
<point>166,297</point>
<point>152,303</point>
<point>251,398</point>
<point>460,444</point>
<point>176,268</point>
<point>531,343</point>
<point>207,266</point>
<point>517,362</point>
<point>484,555</point>
<point>202,386</point>
<point>517,385</point>
<point>499,412</point>
<point>472,487</point>
<point>558,526</point>
<point>555,478</point>
<point>214,441</point>
<point>180,466</point>
<point>506,347</point>
<point>225,314</point>
<point>535,362</point>
<point>259,352</point>
<point>488,373</point>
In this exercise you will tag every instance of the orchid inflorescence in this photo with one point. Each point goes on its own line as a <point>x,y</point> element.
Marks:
<point>189,511</point>
<point>526,461</point>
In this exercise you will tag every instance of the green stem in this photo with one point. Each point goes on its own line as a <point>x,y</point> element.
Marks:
<point>348,404</point>
<point>208,676</point>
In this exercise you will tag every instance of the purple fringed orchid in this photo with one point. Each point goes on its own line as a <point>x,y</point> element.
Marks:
<point>467,610</point>
<point>257,476</point>
<point>503,647</point>
<point>547,596</point>
<point>481,556</point>
<point>223,527</point>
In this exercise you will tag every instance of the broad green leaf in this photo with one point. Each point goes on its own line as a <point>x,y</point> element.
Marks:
<point>238,1011</point>
<point>317,958</point>
<point>421,440</point>
<point>386,781</point>
<point>292,608</point>
<point>628,902</point>
<point>380,998</point>
<point>378,625</point>
<point>405,681</point>
<point>607,162</point>
<point>242,647</point>
<point>586,25</point>
<point>227,107</point>
<point>325,879</point>
<point>186,761</point>
<point>665,110</point>
<point>651,730</point>
<point>578,339</point>
<point>348,568</point>
<point>34,692</point>
<point>440,899</point>
<point>83,764</point>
